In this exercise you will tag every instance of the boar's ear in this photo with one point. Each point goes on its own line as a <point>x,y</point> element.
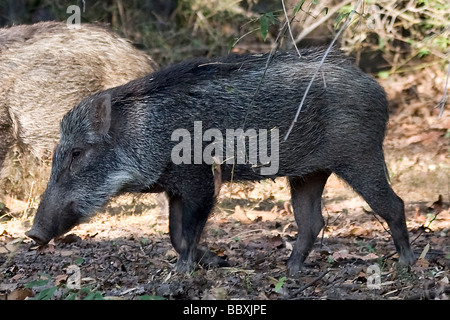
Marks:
<point>101,115</point>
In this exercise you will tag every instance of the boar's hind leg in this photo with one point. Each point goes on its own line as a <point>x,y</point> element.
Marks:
<point>306,195</point>
<point>372,184</point>
<point>187,217</point>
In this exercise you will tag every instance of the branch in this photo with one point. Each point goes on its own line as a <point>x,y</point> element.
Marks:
<point>296,292</point>
<point>441,103</point>
<point>289,28</point>
<point>319,21</point>
<point>320,66</point>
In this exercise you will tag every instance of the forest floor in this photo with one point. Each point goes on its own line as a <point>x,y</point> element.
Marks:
<point>124,252</point>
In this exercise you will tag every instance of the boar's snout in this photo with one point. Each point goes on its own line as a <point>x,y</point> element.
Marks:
<point>37,236</point>
<point>53,220</point>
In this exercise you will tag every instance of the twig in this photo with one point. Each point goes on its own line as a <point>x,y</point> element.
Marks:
<point>441,103</point>
<point>269,59</point>
<point>424,228</point>
<point>272,52</point>
<point>311,27</point>
<point>381,223</point>
<point>310,283</point>
<point>289,28</point>
<point>347,21</point>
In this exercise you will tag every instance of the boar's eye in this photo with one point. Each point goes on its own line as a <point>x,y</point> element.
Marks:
<point>76,153</point>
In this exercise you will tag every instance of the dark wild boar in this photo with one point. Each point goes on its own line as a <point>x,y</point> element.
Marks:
<point>144,137</point>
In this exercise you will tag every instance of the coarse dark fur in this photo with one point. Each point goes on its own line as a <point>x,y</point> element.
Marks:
<point>119,141</point>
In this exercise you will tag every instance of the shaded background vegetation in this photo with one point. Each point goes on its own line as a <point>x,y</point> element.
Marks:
<point>388,35</point>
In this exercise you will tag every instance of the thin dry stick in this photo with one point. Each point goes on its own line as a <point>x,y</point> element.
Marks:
<point>289,28</point>
<point>272,52</point>
<point>320,66</point>
<point>309,27</point>
<point>441,103</point>
<point>269,59</point>
<point>310,283</point>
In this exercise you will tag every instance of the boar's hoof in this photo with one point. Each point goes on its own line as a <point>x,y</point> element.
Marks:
<point>294,267</point>
<point>407,258</point>
<point>183,266</point>
<point>205,258</point>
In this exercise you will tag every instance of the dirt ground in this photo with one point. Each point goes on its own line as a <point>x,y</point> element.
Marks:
<point>125,252</point>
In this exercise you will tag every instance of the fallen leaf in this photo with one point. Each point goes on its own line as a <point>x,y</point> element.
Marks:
<point>357,232</point>
<point>422,263</point>
<point>275,242</point>
<point>257,216</point>
<point>17,277</point>
<point>46,247</point>
<point>170,253</point>
<point>3,250</point>
<point>66,253</point>
<point>20,294</point>
<point>239,214</point>
<point>427,138</point>
<point>220,293</point>
<point>289,246</point>
<point>437,205</point>
<point>288,207</point>
<point>5,233</point>
<point>61,278</point>
<point>344,254</point>
<point>424,251</point>
<point>418,216</point>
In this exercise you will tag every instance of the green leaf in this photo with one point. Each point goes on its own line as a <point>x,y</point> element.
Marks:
<point>383,74</point>
<point>37,283</point>
<point>330,259</point>
<point>71,296</point>
<point>231,44</point>
<point>94,296</point>
<point>271,17</point>
<point>381,44</point>
<point>43,280</point>
<point>423,52</point>
<point>264,26</point>
<point>148,297</point>
<point>299,7</point>
<point>280,284</point>
<point>45,294</point>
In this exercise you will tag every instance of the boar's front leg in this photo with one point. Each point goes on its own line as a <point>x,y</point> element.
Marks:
<point>187,217</point>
